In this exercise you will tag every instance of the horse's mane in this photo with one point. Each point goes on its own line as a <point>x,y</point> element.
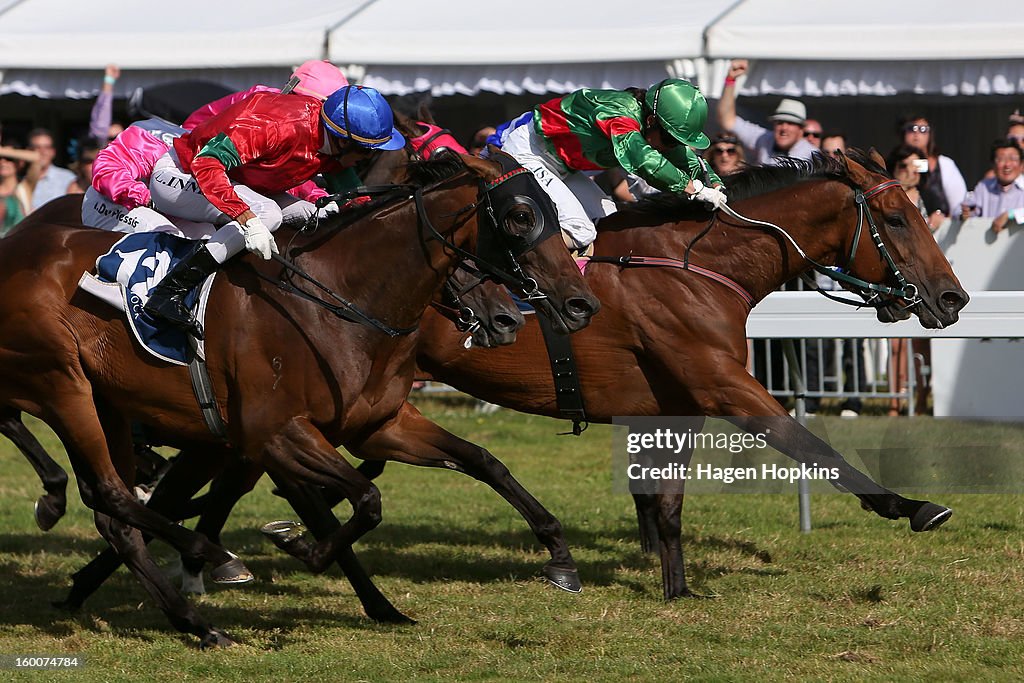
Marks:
<point>439,167</point>
<point>753,181</point>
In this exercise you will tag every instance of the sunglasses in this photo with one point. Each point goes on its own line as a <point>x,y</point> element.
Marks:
<point>917,128</point>
<point>812,134</point>
<point>724,150</point>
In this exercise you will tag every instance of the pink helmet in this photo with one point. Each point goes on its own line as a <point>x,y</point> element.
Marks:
<point>318,78</point>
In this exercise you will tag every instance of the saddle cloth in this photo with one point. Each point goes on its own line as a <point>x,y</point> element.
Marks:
<point>126,275</point>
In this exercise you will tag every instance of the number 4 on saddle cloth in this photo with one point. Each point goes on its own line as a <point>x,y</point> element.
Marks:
<point>126,275</point>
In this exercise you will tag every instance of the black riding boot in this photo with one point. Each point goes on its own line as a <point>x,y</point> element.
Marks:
<point>168,298</point>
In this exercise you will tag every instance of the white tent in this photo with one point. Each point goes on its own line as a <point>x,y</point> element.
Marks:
<point>58,48</point>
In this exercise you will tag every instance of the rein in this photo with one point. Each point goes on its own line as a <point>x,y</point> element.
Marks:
<point>346,310</point>
<point>870,292</point>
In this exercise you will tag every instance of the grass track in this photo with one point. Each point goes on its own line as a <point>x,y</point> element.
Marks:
<point>859,598</point>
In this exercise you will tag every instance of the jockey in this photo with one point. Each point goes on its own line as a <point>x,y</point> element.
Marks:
<point>119,197</point>
<point>648,133</point>
<point>266,144</point>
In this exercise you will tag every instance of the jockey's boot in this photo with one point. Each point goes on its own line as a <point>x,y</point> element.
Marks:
<point>167,300</point>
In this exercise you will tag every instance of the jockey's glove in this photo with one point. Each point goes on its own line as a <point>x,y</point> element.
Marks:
<point>258,238</point>
<point>328,209</point>
<point>710,195</point>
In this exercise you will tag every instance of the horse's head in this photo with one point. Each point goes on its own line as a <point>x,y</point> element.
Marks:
<point>482,308</point>
<point>519,242</point>
<point>893,245</point>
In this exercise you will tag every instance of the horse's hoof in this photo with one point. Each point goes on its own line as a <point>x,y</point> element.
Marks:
<point>390,615</point>
<point>47,513</point>
<point>566,579</point>
<point>284,533</point>
<point>215,638</point>
<point>930,516</point>
<point>232,571</point>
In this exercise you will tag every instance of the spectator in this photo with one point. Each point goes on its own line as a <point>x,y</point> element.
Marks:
<point>944,187</point>
<point>479,140</point>
<point>82,166</point>
<point>725,154</point>
<point>832,143</point>
<point>785,138</point>
<point>102,127</point>
<point>907,165</point>
<point>54,180</point>
<point>19,171</point>
<point>1000,197</point>
<point>813,132</point>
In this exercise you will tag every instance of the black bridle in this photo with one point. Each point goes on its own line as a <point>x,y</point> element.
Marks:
<point>497,251</point>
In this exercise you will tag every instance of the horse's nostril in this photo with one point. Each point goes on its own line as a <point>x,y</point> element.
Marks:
<point>579,307</point>
<point>953,300</point>
<point>503,322</point>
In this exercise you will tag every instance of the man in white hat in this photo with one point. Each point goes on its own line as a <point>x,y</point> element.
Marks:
<point>765,146</point>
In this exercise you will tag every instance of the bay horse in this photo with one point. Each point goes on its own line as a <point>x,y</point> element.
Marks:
<point>671,341</point>
<point>292,381</point>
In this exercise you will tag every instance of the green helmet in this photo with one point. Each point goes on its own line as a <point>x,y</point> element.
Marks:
<point>681,110</point>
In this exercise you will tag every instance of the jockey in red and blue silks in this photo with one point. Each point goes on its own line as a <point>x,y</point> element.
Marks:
<point>648,133</point>
<point>231,168</point>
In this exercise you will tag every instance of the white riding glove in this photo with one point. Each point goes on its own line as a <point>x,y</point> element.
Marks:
<point>711,195</point>
<point>300,211</point>
<point>328,209</point>
<point>258,238</point>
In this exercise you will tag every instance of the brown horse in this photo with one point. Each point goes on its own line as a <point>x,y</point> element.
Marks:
<point>292,381</point>
<point>671,341</point>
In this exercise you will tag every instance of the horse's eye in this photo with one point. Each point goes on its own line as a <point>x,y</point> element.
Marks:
<point>521,216</point>
<point>896,220</point>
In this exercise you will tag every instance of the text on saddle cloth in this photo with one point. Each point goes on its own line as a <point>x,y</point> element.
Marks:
<point>126,275</point>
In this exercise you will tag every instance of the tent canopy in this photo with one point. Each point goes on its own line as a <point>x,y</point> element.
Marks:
<point>57,48</point>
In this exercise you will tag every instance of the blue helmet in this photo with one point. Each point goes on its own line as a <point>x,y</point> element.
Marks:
<point>362,115</point>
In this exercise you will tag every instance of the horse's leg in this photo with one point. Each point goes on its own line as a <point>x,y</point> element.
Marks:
<point>371,469</point>
<point>299,453</point>
<point>51,505</point>
<point>188,473</point>
<point>414,439</point>
<point>647,519</point>
<point>76,419</point>
<point>128,544</point>
<point>734,393</point>
<point>315,513</point>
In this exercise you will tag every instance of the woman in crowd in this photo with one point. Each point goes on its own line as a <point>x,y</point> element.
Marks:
<point>725,154</point>
<point>943,188</point>
<point>19,171</point>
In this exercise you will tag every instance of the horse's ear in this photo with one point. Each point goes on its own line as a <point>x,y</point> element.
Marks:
<point>424,115</point>
<point>876,157</point>
<point>485,168</point>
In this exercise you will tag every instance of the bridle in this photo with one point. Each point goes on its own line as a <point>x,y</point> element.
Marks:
<point>497,251</point>
<point>872,294</point>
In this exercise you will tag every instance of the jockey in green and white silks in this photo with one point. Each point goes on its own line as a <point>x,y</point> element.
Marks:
<point>649,133</point>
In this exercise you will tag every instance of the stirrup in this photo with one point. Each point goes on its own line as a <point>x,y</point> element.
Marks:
<point>170,309</point>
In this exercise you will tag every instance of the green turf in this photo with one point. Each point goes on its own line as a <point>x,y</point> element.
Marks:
<point>859,598</point>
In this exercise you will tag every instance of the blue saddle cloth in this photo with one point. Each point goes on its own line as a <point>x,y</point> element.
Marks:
<point>138,262</point>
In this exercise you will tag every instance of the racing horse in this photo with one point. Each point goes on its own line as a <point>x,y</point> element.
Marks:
<point>292,379</point>
<point>671,338</point>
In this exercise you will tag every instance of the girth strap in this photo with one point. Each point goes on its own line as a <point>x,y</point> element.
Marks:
<point>568,392</point>
<point>202,387</point>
